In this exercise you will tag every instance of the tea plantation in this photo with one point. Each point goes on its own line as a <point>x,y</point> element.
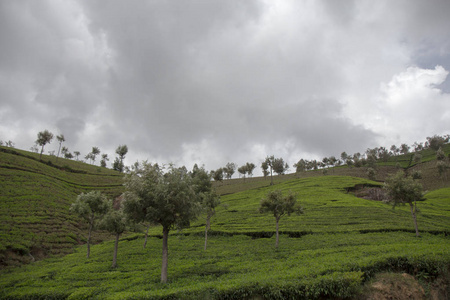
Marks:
<point>339,242</point>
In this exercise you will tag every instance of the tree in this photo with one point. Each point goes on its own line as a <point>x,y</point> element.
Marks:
<point>229,170</point>
<point>68,155</point>
<point>114,221</point>
<point>279,166</point>
<point>168,199</point>
<point>60,139</point>
<point>250,167</point>
<point>243,170</point>
<point>89,157</point>
<point>402,190</point>
<point>44,137</point>
<point>300,166</point>
<point>265,168</point>
<point>344,157</point>
<point>118,165</point>
<point>279,205</point>
<point>104,160</point>
<point>435,142</point>
<point>76,153</point>
<point>95,151</point>
<point>269,162</point>
<point>90,206</point>
<point>404,149</point>
<point>217,175</point>
<point>210,201</point>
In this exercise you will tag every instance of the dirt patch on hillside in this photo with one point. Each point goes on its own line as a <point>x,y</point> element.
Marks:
<point>369,192</point>
<point>398,286</point>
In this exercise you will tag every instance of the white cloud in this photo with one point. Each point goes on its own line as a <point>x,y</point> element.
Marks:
<point>409,107</point>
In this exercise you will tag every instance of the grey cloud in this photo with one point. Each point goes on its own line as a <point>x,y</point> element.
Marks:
<point>167,78</point>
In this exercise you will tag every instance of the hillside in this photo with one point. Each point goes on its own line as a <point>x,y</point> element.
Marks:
<point>34,203</point>
<point>340,242</point>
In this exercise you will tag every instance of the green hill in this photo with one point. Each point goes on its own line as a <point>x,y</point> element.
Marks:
<point>339,243</point>
<point>35,199</point>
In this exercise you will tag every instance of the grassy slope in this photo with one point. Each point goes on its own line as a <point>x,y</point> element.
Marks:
<point>34,203</point>
<point>347,237</point>
<point>334,260</point>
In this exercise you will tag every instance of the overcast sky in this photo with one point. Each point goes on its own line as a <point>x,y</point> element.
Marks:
<point>212,82</point>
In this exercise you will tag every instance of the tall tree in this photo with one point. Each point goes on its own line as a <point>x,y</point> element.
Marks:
<point>265,168</point>
<point>217,175</point>
<point>279,166</point>
<point>201,183</point>
<point>60,139</point>
<point>44,137</point>
<point>91,207</point>
<point>118,165</point>
<point>435,142</point>
<point>95,151</point>
<point>76,153</point>
<point>114,221</point>
<point>279,205</point>
<point>250,167</point>
<point>104,160</point>
<point>229,170</point>
<point>269,162</point>
<point>168,199</point>
<point>243,170</point>
<point>404,190</point>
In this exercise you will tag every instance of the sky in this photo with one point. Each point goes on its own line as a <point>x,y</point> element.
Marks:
<point>212,82</point>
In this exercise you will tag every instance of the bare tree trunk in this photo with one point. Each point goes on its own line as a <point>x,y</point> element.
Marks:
<point>42,150</point>
<point>165,256</point>
<point>413,213</point>
<point>116,246</point>
<point>146,236</point>
<point>208,222</point>
<point>89,239</point>
<point>58,151</point>
<point>277,235</point>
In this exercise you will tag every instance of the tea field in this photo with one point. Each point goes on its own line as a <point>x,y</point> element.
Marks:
<point>35,199</point>
<point>328,252</point>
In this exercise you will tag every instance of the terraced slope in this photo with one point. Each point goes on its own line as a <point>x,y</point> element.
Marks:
<point>328,252</point>
<point>34,203</point>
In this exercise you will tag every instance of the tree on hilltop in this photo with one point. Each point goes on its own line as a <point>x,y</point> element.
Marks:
<point>104,160</point>
<point>435,142</point>
<point>60,139</point>
<point>243,170</point>
<point>229,170</point>
<point>118,165</point>
<point>91,207</point>
<point>279,166</point>
<point>76,153</point>
<point>250,167</point>
<point>95,151</point>
<point>279,205</point>
<point>44,137</point>
<point>265,168</point>
<point>404,190</point>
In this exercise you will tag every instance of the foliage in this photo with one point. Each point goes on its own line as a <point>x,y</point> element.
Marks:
<point>279,205</point>
<point>168,199</point>
<point>44,138</point>
<point>402,190</point>
<point>91,207</point>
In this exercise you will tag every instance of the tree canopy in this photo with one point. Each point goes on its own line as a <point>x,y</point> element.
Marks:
<point>166,198</point>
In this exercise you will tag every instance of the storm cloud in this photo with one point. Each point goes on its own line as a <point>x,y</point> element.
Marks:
<point>210,82</point>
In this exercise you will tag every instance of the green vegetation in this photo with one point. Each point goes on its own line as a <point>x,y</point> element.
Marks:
<point>340,242</point>
<point>34,204</point>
